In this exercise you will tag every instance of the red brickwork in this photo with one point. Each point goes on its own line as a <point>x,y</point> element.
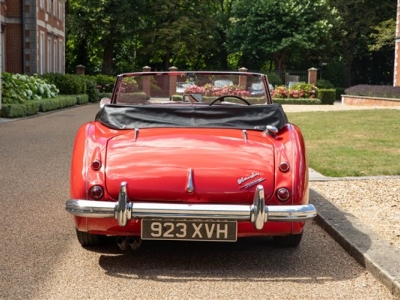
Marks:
<point>13,9</point>
<point>13,62</point>
<point>369,101</point>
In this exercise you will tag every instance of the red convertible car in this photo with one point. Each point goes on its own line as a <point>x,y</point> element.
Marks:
<point>211,163</point>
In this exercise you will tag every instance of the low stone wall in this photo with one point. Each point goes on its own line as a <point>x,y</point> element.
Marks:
<point>369,101</point>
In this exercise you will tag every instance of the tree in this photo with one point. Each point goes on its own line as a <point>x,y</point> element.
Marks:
<point>97,30</point>
<point>267,29</point>
<point>356,21</point>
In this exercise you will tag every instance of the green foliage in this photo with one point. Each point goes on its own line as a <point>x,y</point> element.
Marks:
<point>68,84</point>
<point>105,83</point>
<point>61,101</point>
<point>324,84</point>
<point>17,88</point>
<point>303,101</point>
<point>327,96</point>
<point>274,79</point>
<point>263,29</point>
<point>19,110</point>
<point>92,91</point>
<point>383,35</point>
<point>83,99</point>
<point>299,90</point>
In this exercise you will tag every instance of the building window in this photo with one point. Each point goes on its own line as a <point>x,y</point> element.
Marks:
<point>41,54</point>
<point>55,8</point>
<point>60,11</point>
<point>48,69</point>
<point>55,65</point>
<point>41,4</point>
<point>3,50</point>
<point>60,57</point>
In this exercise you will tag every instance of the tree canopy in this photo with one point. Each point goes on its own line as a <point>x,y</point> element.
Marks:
<point>353,38</point>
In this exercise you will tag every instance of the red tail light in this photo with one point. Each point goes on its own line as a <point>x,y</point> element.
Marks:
<point>96,192</point>
<point>283,194</point>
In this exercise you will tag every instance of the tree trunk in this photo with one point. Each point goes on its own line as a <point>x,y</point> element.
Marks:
<point>108,55</point>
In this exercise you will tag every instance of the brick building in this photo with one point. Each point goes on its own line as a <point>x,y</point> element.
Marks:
<point>32,36</point>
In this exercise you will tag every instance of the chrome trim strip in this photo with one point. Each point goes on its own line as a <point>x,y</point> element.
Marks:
<point>257,213</point>
<point>136,134</point>
<point>190,185</point>
<point>244,132</point>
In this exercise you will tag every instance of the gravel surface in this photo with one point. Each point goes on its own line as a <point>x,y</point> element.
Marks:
<point>376,202</point>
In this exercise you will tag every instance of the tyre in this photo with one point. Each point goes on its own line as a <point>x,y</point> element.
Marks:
<point>288,241</point>
<point>88,240</point>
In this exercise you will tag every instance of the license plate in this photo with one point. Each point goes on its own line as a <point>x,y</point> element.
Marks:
<point>220,231</point>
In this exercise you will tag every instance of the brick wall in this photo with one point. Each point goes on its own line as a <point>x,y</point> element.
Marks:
<point>13,41</point>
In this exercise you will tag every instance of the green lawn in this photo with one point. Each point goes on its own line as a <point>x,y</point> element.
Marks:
<point>351,143</point>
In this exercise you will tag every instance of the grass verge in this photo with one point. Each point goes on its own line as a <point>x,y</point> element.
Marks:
<point>351,143</point>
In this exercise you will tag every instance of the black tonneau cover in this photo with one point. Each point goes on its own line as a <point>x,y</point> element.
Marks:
<point>201,116</point>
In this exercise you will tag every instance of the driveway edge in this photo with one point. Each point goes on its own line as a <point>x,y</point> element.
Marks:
<point>377,256</point>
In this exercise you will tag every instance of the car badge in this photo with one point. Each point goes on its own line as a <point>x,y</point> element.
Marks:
<point>252,183</point>
<point>245,178</point>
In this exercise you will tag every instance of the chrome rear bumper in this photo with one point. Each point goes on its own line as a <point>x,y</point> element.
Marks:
<point>258,213</point>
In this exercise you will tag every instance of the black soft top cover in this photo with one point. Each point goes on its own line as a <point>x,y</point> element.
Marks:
<point>202,116</point>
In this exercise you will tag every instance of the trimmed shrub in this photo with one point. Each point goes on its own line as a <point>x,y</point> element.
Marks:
<point>61,101</point>
<point>104,95</point>
<point>105,84</point>
<point>382,91</point>
<point>68,84</point>
<point>91,89</point>
<point>324,84</point>
<point>19,110</point>
<point>327,96</point>
<point>312,101</point>
<point>83,99</point>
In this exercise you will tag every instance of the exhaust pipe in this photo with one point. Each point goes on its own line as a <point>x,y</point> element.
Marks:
<point>131,241</point>
<point>134,243</point>
<point>121,242</point>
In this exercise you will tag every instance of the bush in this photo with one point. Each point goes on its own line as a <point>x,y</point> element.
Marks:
<point>339,92</point>
<point>68,84</point>
<point>327,96</point>
<point>274,79</point>
<point>299,90</point>
<point>382,91</point>
<point>105,84</point>
<point>17,88</point>
<point>83,99</point>
<point>19,110</point>
<point>91,89</point>
<point>312,101</point>
<point>324,84</point>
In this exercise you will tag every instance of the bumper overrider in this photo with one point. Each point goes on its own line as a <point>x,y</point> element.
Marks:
<point>258,213</point>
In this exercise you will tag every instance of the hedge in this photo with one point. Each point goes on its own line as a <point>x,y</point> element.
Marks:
<point>327,96</point>
<point>32,107</point>
<point>302,101</point>
<point>19,110</point>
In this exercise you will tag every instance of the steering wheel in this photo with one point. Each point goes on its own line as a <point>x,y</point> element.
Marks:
<point>221,98</point>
